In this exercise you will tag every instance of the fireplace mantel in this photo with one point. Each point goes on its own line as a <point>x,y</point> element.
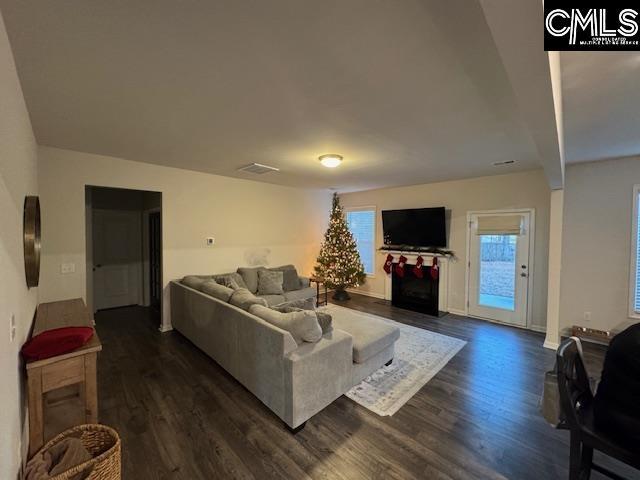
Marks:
<point>443,263</point>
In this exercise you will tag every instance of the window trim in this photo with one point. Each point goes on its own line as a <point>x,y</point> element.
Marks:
<point>634,247</point>
<point>367,208</point>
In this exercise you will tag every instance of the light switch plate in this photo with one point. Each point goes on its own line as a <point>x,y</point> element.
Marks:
<point>12,327</point>
<point>68,268</point>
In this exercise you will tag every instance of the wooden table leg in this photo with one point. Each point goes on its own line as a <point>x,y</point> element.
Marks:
<point>36,416</point>
<point>90,388</point>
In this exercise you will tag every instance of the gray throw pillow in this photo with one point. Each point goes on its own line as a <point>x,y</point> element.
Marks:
<point>210,287</point>
<point>244,299</point>
<point>193,282</point>
<point>250,277</point>
<point>231,280</point>
<point>270,282</point>
<point>303,324</point>
<point>290,279</point>
<point>324,319</point>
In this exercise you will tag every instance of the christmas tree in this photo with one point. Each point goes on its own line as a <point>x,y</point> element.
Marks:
<point>339,264</point>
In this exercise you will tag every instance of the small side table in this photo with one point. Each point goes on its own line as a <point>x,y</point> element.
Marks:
<point>318,282</point>
<point>75,367</point>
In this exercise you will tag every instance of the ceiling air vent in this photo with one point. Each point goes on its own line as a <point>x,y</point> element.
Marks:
<point>258,168</point>
<point>503,164</point>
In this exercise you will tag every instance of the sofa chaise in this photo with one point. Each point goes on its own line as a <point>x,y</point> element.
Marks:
<point>294,379</point>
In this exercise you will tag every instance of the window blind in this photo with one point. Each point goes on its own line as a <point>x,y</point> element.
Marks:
<point>362,224</point>
<point>499,225</point>
<point>636,302</point>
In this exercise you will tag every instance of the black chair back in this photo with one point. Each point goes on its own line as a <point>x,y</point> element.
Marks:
<point>573,382</point>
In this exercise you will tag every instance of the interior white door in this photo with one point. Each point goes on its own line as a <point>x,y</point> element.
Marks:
<point>499,268</point>
<point>117,258</point>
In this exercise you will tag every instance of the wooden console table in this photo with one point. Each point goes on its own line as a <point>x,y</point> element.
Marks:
<point>76,367</point>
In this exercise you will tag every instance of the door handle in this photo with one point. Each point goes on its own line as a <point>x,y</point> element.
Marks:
<point>523,274</point>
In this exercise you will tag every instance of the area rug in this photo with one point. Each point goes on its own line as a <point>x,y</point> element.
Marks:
<point>419,355</point>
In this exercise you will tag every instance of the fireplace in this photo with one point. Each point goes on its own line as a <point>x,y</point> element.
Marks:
<point>413,293</point>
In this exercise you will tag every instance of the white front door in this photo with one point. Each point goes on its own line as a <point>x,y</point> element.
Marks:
<point>499,268</point>
<point>117,258</point>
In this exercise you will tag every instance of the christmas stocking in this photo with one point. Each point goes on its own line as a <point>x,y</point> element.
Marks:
<point>400,267</point>
<point>417,270</point>
<point>387,264</point>
<point>435,268</point>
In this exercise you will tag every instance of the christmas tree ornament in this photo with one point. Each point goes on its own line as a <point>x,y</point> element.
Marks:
<point>402,261</point>
<point>388,263</point>
<point>417,269</point>
<point>435,268</point>
<point>338,264</point>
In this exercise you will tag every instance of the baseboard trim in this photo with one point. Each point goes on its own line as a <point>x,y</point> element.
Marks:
<point>538,328</point>
<point>165,328</point>
<point>367,294</point>
<point>455,311</point>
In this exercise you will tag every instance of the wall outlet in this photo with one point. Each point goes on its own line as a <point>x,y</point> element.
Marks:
<point>12,327</point>
<point>587,317</point>
<point>211,241</point>
<point>67,268</point>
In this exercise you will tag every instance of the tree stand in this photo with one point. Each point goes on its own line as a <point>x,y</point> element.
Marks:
<point>341,295</point>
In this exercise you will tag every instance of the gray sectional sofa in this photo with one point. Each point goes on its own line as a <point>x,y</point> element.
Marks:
<point>295,380</point>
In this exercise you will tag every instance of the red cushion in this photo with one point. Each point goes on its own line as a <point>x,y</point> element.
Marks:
<point>56,342</point>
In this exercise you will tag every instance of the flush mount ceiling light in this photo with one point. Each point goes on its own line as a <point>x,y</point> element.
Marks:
<point>330,160</point>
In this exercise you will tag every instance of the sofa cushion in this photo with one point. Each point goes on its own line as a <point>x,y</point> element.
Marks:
<point>302,324</point>
<point>270,282</point>
<point>301,294</point>
<point>244,299</point>
<point>273,299</point>
<point>228,280</point>
<point>250,277</point>
<point>210,287</point>
<point>370,336</point>
<point>324,319</point>
<point>290,279</point>
<point>193,281</point>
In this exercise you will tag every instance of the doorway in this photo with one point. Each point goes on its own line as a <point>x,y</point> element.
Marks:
<point>124,248</point>
<point>499,265</point>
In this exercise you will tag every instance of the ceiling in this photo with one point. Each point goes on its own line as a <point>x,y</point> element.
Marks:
<point>601,104</point>
<point>428,92</point>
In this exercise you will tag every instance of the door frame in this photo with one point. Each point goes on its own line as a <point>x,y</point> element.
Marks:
<point>532,235</point>
<point>145,267</point>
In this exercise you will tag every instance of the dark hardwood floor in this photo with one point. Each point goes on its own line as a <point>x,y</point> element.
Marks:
<point>180,415</point>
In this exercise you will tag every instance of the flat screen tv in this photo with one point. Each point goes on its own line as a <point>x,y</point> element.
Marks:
<point>415,227</point>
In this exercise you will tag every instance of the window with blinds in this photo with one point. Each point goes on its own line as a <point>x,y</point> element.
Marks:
<point>635,254</point>
<point>362,224</point>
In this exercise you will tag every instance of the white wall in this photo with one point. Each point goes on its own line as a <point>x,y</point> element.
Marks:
<point>245,217</point>
<point>518,190</point>
<point>596,243</point>
<point>17,179</point>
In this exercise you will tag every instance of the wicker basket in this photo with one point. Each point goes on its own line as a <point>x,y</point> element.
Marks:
<point>100,441</point>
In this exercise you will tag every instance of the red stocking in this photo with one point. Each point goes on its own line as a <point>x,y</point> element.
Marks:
<point>387,264</point>
<point>435,269</point>
<point>417,270</point>
<point>400,267</point>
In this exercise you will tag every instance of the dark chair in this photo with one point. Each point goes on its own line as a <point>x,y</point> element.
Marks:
<point>576,399</point>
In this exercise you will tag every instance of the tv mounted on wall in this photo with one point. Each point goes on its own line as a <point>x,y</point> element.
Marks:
<point>414,227</point>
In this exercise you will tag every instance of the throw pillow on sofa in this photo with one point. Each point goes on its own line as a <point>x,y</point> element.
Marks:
<point>324,319</point>
<point>250,277</point>
<point>244,299</point>
<point>214,289</point>
<point>270,282</point>
<point>290,279</point>
<point>231,280</point>
<point>302,325</point>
